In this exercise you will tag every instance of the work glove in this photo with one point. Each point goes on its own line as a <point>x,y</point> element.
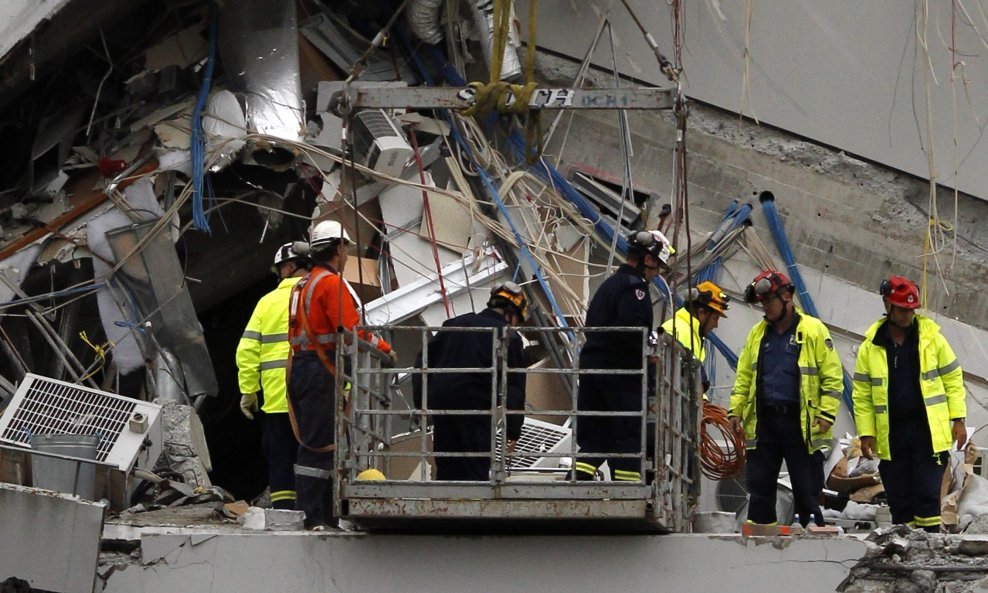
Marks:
<point>248,404</point>
<point>390,361</point>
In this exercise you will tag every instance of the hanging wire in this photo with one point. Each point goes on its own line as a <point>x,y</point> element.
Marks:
<point>197,146</point>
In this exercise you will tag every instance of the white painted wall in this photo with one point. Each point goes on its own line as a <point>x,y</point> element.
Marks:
<point>845,74</point>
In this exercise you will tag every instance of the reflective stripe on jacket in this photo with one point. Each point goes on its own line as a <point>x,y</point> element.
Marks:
<point>686,329</point>
<point>821,381</point>
<point>328,306</point>
<point>941,383</point>
<point>263,349</point>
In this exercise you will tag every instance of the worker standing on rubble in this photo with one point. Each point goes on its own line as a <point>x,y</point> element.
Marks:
<point>621,301</point>
<point>706,303</point>
<point>909,404</point>
<point>474,391</point>
<point>262,357</point>
<point>320,309</point>
<point>785,399</point>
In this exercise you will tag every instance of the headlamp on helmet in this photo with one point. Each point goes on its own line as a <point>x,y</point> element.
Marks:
<point>709,295</point>
<point>765,285</point>
<point>653,243</point>
<point>900,291</point>
<point>509,295</point>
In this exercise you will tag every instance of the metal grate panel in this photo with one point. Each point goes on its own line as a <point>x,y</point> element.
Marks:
<point>538,438</point>
<point>52,407</point>
<point>129,429</point>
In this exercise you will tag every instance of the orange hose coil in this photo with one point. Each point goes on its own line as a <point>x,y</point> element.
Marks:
<point>721,449</point>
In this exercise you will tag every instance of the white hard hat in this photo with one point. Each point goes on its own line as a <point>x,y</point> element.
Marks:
<point>285,253</point>
<point>652,242</point>
<point>326,232</point>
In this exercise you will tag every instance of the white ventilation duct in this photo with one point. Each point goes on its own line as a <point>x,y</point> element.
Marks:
<point>423,20</point>
<point>259,47</point>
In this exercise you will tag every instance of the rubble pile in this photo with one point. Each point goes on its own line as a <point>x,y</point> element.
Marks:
<point>901,560</point>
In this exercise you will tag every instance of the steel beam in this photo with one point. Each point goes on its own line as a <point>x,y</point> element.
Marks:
<point>543,98</point>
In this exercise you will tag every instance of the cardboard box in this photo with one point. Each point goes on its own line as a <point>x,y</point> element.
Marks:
<point>362,275</point>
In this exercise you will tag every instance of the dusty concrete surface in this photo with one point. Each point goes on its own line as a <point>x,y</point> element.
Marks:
<point>845,217</point>
<point>304,562</point>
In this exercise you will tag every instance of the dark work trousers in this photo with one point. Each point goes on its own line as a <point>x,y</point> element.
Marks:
<point>781,438</point>
<point>609,434</point>
<point>913,476</point>
<point>462,434</point>
<point>311,391</point>
<point>280,450</point>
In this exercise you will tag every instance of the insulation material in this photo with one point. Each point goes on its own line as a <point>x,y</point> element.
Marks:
<point>176,132</point>
<point>225,127</point>
<point>14,270</point>
<point>259,45</point>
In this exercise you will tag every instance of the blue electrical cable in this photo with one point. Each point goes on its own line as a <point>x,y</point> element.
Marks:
<point>489,184</point>
<point>197,147</point>
<point>782,244</point>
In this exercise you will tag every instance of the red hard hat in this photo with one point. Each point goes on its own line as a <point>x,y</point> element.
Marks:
<point>767,283</point>
<point>900,291</point>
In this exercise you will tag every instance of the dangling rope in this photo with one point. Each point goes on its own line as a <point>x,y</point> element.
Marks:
<point>501,97</point>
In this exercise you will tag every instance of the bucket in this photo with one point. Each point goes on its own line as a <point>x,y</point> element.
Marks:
<point>72,476</point>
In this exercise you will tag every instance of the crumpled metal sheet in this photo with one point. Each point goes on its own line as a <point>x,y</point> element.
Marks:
<point>259,46</point>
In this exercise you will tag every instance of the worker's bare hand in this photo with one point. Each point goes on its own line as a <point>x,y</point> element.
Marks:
<point>511,446</point>
<point>736,425</point>
<point>868,447</point>
<point>390,361</point>
<point>822,424</point>
<point>959,433</point>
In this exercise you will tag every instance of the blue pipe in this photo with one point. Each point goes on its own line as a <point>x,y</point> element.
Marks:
<point>767,199</point>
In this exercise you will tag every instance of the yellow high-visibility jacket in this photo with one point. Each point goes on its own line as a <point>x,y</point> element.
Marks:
<point>941,384</point>
<point>821,381</point>
<point>686,328</point>
<point>262,353</point>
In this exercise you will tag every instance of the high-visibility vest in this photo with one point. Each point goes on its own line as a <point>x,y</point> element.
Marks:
<point>326,305</point>
<point>941,384</point>
<point>686,328</point>
<point>821,382</point>
<point>262,353</point>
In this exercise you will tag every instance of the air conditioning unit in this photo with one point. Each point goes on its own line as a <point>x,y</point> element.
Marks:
<point>541,439</point>
<point>378,142</point>
<point>129,430</point>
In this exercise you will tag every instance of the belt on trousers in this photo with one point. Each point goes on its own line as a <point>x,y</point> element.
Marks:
<point>781,409</point>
